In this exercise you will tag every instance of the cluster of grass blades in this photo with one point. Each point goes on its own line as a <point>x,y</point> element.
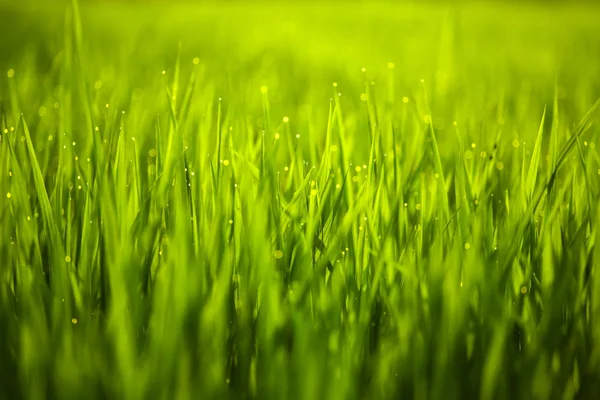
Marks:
<point>170,243</point>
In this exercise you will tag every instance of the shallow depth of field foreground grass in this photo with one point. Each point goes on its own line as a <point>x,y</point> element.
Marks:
<point>299,201</point>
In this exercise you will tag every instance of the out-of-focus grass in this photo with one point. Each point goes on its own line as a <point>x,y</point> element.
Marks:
<point>332,200</point>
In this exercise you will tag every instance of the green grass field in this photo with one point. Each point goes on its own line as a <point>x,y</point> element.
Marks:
<point>339,200</point>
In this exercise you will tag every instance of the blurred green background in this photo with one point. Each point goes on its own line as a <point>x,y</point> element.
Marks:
<point>509,53</point>
<point>497,52</point>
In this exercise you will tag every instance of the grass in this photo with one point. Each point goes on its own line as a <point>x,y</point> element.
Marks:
<point>362,201</point>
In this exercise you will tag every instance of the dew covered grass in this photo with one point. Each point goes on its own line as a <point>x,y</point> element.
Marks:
<point>299,200</point>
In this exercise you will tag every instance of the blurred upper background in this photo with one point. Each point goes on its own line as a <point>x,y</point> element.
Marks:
<point>490,50</point>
